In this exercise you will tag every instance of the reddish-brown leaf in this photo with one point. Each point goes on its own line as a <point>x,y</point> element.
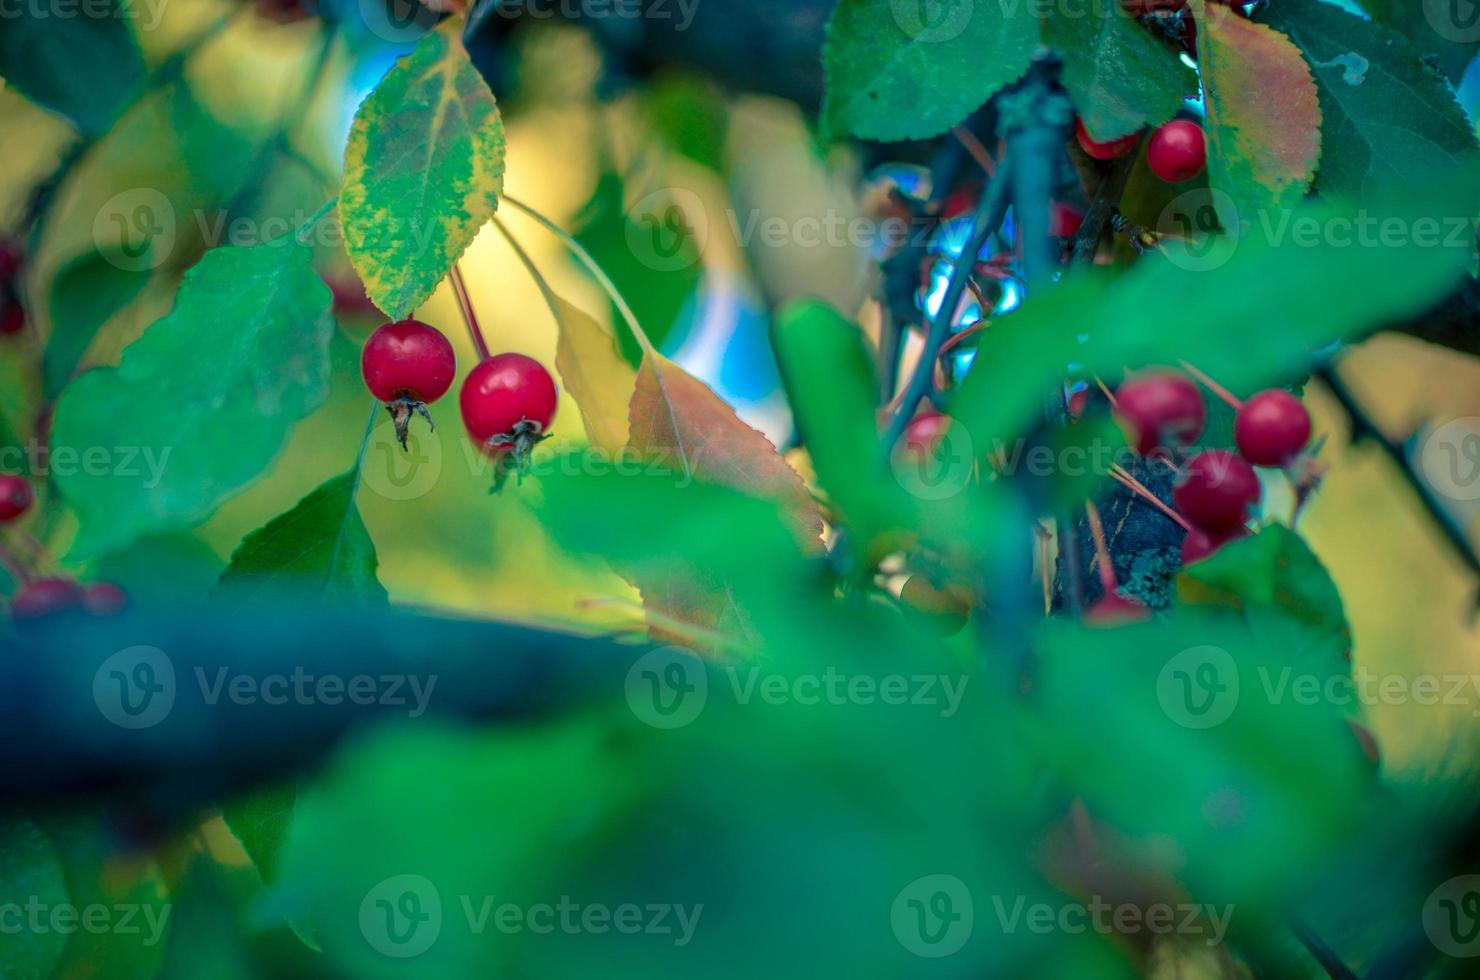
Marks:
<point>1263,116</point>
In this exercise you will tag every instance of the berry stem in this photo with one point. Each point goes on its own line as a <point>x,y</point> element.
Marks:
<point>1102,205</point>
<point>974,146</point>
<point>1213,386</point>
<point>1109,395</point>
<point>592,266</point>
<point>1108,584</point>
<point>465,305</point>
<point>989,214</point>
<point>956,339</point>
<point>1125,479</point>
<point>1321,951</point>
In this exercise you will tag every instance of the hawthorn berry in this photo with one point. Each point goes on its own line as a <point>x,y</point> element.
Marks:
<point>16,497</point>
<point>12,315</point>
<point>1108,150</point>
<point>508,403</point>
<point>1215,491</point>
<point>1271,428</point>
<point>1114,609</point>
<point>43,597</point>
<point>1160,409</point>
<point>104,599</point>
<point>10,259</point>
<point>924,434</point>
<point>408,365</point>
<point>1199,544</point>
<point>1177,151</point>
<point>1064,220</point>
<point>940,610</point>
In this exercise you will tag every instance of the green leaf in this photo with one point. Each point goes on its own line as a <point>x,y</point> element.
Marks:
<point>1438,28</point>
<point>85,294</point>
<point>87,67</point>
<point>318,548</point>
<point>833,390</point>
<point>689,112</point>
<point>596,375</point>
<point>260,821</point>
<point>1386,117</point>
<point>202,402</point>
<point>1120,77</point>
<point>1273,571</point>
<point>422,172</point>
<point>651,254</point>
<point>1262,151</point>
<point>30,871</point>
<point>907,70</point>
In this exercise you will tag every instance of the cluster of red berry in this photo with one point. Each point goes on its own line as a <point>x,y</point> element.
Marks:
<point>12,314</point>
<point>508,401</point>
<point>42,597</point>
<point>1175,152</point>
<point>1216,489</point>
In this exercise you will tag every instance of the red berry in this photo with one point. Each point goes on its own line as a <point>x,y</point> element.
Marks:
<point>1271,428</point>
<point>940,610</point>
<point>408,360</point>
<point>1215,491</point>
<point>1109,150</point>
<point>12,316</point>
<point>16,496</point>
<point>507,402</point>
<point>104,599</point>
<point>45,597</point>
<point>1078,402</point>
<point>1064,220</point>
<point>1112,609</point>
<point>924,434</point>
<point>407,365</point>
<point>1161,409</point>
<point>1199,544</point>
<point>1177,151</point>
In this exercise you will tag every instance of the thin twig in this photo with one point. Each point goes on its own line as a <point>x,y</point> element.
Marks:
<point>1323,953</point>
<point>1363,427</point>
<point>1106,200</point>
<point>989,213</point>
<point>974,147</point>
<point>1108,584</point>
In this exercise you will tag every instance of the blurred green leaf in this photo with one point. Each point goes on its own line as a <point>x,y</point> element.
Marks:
<point>200,404</point>
<point>833,390</point>
<point>318,548</point>
<point>161,569</point>
<point>689,113</point>
<point>901,71</point>
<point>650,255</point>
<point>85,66</point>
<point>422,172</point>
<point>85,294</point>
<point>1119,74</point>
<point>30,874</point>
<point>1274,572</point>
<point>1386,117</point>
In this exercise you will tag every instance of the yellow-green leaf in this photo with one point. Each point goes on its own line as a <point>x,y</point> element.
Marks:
<point>422,172</point>
<point>596,374</point>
